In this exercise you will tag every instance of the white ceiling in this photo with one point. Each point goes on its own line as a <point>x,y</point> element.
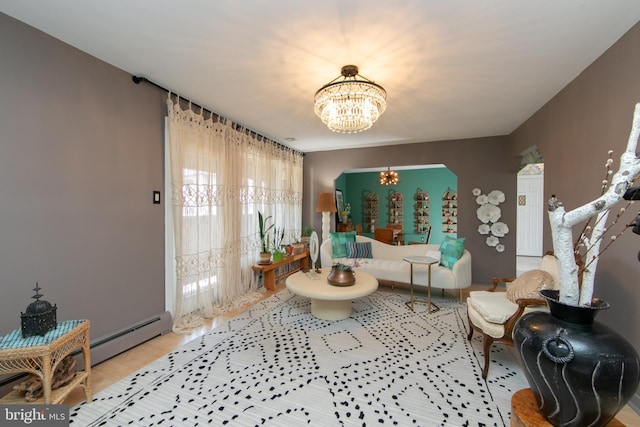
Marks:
<point>452,69</point>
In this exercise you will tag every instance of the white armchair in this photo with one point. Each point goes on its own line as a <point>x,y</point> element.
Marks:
<point>494,314</point>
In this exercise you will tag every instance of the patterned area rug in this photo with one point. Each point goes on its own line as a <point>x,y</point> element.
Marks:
<point>277,365</point>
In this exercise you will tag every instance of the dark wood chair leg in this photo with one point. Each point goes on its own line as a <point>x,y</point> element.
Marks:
<point>470,334</point>
<point>486,347</point>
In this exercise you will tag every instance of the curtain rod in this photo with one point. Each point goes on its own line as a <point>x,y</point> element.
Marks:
<point>137,80</point>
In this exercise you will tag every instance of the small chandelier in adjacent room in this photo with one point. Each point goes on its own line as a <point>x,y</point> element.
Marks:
<point>389,177</point>
<point>350,105</point>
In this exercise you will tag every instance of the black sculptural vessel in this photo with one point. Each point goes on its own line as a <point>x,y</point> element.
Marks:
<point>581,371</point>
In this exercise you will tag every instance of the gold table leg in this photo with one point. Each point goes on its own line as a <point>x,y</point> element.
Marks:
<point>432,308</point>
<point>431,305</point>
<point>410,303</point>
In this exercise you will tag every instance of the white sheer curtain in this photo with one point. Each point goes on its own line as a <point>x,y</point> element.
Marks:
<point>219,179</point>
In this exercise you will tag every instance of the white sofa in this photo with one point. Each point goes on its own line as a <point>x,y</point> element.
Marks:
<point>387,265</point>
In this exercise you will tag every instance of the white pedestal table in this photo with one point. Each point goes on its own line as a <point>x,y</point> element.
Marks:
<point>329,302</point>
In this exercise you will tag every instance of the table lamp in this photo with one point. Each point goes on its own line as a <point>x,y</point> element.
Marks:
<point>326,205</point>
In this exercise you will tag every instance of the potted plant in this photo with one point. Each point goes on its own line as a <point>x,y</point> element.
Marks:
<point>346,212</point>
<point>341,275</point>
<point>565,353</point>
<point>306,234</point>
<point>263,230</point>
<point>289,249</point>
<point>278,254</point>
<point>277,246</point>
<point>298,247</point>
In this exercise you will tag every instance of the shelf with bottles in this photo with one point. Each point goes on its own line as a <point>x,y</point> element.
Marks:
<point>395,208</point>
<point>421,207</point>
<point>450,211</point>
<point>450,228</point>
<point>371,212</point>
<point>449,224</point>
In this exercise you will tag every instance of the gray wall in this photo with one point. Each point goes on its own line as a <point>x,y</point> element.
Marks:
<point>80,155</point>
<point>478,162</point>
<point>573,132</point>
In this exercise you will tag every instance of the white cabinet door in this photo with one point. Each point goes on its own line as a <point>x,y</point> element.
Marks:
<point>530,215</point>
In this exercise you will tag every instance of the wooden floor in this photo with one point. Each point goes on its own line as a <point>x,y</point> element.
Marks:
<point>118,367</point>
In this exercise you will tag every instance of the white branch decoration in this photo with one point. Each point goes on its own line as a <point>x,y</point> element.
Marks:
<point>562,223</point>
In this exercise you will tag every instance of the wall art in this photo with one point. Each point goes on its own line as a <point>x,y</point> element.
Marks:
<point>489,214</point>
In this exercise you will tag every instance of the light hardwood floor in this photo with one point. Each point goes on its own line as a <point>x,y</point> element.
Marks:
<point>118,367</point>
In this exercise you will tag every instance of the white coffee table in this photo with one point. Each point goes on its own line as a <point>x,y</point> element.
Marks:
<point>329,302</point>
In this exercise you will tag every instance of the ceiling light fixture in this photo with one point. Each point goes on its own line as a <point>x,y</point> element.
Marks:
<point>350,105</point>
<point>389,177</point>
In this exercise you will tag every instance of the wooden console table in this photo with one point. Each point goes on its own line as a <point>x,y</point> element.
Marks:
<point>40,356</point>
<point>341,227</point>
<point>269,270</point>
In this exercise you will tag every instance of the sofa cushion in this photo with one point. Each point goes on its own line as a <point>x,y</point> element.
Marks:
<point>528,284</point>
<point>338,243</point>
<point>451,249</point>
<point>359,250</point>
<point>385,269</point>
<point>435,255</point>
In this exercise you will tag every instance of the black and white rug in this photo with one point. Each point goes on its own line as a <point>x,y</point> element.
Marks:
<point>277,365</point>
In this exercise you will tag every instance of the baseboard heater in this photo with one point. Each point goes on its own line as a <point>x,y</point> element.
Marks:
<point>111,345</point>
<point>106,347</point>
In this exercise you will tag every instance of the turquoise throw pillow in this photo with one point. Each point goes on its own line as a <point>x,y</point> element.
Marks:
<point>451,250</point>
<point>339,243</point>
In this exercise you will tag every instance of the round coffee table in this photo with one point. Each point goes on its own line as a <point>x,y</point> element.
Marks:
<point>330,302</point>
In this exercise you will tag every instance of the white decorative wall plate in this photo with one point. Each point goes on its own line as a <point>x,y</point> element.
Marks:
<point>489,213</point>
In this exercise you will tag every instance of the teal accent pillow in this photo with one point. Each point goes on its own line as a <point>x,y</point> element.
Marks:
<point>339,243</point>
<point>451,250</point>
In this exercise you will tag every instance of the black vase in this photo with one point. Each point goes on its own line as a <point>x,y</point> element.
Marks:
<point>581,371</point>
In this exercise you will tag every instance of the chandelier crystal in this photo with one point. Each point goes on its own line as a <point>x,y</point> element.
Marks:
<point>389,177</point>
<point>350,105</point>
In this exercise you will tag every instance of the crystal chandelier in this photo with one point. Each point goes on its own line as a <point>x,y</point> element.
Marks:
<point>389,177</point>
<point>350,105</point>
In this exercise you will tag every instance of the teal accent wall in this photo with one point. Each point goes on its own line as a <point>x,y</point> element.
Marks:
<point>435,181</point>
